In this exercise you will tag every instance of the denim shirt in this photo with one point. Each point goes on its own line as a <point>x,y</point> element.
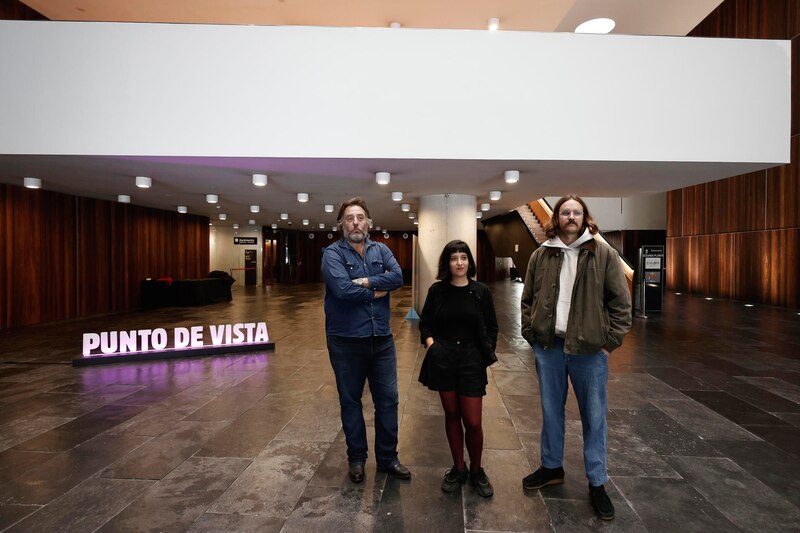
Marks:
<point>352,310</point>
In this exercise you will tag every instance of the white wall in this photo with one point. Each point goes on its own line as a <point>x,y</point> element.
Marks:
<point>166,89</point>
<point>224,255</point>
<point>640,212</point>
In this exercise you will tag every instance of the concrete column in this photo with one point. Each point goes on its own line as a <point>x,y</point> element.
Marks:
<point>442,218</point>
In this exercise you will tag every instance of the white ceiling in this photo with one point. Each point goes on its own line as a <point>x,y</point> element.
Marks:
<point>185,181</point>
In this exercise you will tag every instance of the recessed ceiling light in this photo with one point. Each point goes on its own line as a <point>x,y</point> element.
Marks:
<point>252,222</point>
<point>260,180</point>
<point>236,226</point>
<point>405,207</point>
<point>223,216</point>
<point>123,199</point>
<point>478,214</point>
<point>397,196</point>
<point>598,25</point>
<point>274,226</point>
<point>182,209</point>
<point>511,176</point>
<point>412,216</point>
<point>485,207</point>
<point>321,225</point>
<point>284,216</point>
<point>143,182</point>
<point>495,195</point>
<point>329,208</point>
<point>255,208</point>
<point>678,293</point>
<point>212,198</point>
<point>394,25</point>
<point>416,222</point>
<point>32,183</point>
<point>377,228</point>
<point>302,197</point>
<point>305,222</point>
<point>383,178</point>
<point>494,23</point>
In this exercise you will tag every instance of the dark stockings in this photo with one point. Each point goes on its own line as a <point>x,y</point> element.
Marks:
<point>466,409</point>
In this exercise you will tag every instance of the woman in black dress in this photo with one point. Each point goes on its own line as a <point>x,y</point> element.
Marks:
<point>458,326</point>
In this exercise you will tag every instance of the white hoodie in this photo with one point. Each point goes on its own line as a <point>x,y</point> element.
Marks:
<point>566,281</point>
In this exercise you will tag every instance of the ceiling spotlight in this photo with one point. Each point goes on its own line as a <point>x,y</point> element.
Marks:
<point>182,209</point>
<point>478,214</point>
<point>600,25</point>
<point>32,183</point>
<point>495,195</point>
<point>485,207</point>
<point>143,182</point>
<point>412,216</point>
<point>252,222</point>
<point>236,226</point>
<point>334,228</point>
<point>416,222</point>
<point>494,24</point>
<point>383,178</point>
<point>511,176</point>
<point>377,228</point>
<point>748,305</point>
<point>255,208</point>
<point>124,199</point>
<point>274,226</point>
<point>394,25</point>
<point>329,208</point>
<point>405,207</point>
<point>321,225</point>
<point>302,197</point>
<point>223,216</point>
<point>212,198</point>
<point>260,180</point>
<point>305,222</point>
<point>284,216</point>
<point>397,196</point>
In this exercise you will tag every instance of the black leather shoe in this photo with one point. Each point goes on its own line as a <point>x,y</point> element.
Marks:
<point>356,473</point>
<point>397,470</point>
<point>601,503</point>
<point>543,477</point>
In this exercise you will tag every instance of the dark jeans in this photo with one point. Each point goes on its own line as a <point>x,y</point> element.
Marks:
<point>355,360</point>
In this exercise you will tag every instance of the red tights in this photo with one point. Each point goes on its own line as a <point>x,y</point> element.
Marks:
<point>466,409</point>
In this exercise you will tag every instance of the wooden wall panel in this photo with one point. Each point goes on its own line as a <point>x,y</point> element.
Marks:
<point>675,213</point>
<point>769,263</point>
<point>735,204</point>
<point>694,213</point>
<point>796,85</point>
<point>762,19</point>
<point>677,264</point>
<point>711,268</point>
<point>783,192</point>
<point>16,10</point>
<point>95,246</point>
<point>38,256</point>
<point>719,23</point>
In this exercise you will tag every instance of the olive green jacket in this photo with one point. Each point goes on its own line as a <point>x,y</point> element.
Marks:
<point>600,310</point>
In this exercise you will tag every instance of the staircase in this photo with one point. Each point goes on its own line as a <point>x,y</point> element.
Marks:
<point>533,224</point>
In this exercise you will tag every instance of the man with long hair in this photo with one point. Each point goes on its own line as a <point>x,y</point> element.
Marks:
<point>576,309</point>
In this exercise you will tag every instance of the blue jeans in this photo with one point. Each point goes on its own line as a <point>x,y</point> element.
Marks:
<point>589,377</point>
<point>355,360</point>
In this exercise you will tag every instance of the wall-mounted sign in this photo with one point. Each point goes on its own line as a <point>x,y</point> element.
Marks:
<point>252,241</point>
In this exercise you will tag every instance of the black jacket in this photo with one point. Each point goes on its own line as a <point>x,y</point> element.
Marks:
<point>486,334</point>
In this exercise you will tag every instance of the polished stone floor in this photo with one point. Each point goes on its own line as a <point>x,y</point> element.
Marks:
<point>704,429</point>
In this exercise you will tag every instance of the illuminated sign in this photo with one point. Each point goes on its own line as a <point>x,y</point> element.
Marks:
<point>245,240</point>
<point>141,341</point>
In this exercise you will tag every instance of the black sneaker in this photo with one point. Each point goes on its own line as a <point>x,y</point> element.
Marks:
<point>480,481</point>
<point>601,503</point>
<point>454,478</point>
<point>543,477</point>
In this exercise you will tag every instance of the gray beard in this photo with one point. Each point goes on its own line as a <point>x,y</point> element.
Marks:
<point>355,237</point>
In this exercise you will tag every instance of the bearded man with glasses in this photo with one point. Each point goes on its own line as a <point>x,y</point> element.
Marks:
<point>359,274</point>
<point>576,309</point>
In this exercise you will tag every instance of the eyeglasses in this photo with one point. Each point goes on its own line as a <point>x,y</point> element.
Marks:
<point>575,212</point>
<point>352,218</point>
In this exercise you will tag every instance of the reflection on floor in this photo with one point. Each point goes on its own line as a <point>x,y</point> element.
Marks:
<point>703,429</point>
